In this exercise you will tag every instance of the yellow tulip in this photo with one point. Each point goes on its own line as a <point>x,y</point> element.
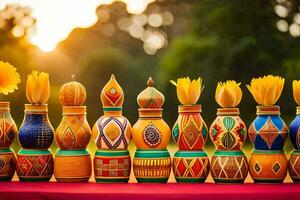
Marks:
<point>266,90</point>
<point>228,94</point>
<point>38,87</point>
<point>188,92</point>
<point>296,91</point>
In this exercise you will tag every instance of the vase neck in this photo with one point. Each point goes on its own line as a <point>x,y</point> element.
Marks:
<point>4,107</point>
<point>268,110</point>
<point>298,110</point>
<point>228,112</point>
<point>74,110</point>
<point>112,111</point>
<point>36,109</point>
<point>150,112</point>
<point>189,109</point>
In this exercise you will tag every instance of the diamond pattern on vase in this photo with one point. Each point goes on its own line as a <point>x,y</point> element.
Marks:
<point>152,135</point>
<point>294,166</point>
<point>276,168</point>
<point>35,165</point>
<point>112,132</point>
<point>191,167</point>
<point>257,168</point>
<point>7,131</point>
<point>229,167</point>
<point>2,164</point>
<point>68,138</point>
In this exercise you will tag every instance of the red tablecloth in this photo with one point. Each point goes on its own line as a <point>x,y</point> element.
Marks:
<point>133,191</point>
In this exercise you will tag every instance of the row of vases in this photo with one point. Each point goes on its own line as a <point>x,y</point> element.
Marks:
<point>267,163</point>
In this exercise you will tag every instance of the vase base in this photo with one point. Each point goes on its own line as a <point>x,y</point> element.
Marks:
<point>152,180</point>
<point>262,181</point>
<point>152,166</point>
<point>191,166</point>
<point>72,180</point>
<point>112,180</point>
<point>229,181</point>
<point>5,178</point>
<point>190,180</point>
<point>32,179</point>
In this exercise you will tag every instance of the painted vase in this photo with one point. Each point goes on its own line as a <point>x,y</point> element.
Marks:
<point>190,132</point>
<point>228,132</point>
<point>294,162</point>
<point>268,132</point>
<point>151,135</point>
<point>112,134</point>
<point>8,131</point>
<point>72,161</point>
<point>35,161</point>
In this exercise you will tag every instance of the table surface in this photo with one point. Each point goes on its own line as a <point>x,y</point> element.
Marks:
<point>132,191</point>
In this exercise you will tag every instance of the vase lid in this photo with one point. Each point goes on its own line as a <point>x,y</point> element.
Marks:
<point>150,97</point>
<point>112,94</point>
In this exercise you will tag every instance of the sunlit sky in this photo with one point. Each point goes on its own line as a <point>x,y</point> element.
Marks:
<point>57,18</point>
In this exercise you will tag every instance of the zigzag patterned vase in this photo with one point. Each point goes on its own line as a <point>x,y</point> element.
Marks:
<point>191,163</point>
<point>228,132</point>
<point>268,132</point>
<point>35,161</point>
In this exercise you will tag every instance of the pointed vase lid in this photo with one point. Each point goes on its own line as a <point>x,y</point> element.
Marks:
<point>150,97</point>
<point>112,94</point>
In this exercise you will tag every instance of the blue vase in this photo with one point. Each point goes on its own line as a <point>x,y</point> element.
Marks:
<point>36,131</point>
<point>294,162</point>
<point>35,161</point>
<point>268,133</point>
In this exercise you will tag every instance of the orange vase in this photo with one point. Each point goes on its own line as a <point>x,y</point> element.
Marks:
<point>191,163</point>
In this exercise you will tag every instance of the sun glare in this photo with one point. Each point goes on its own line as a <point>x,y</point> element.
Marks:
<point>56,18</point>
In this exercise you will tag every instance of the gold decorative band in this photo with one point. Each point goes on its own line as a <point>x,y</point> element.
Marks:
<point>298,110</point>
<point>74,110</point>
<point>4,106</point>
<point>268,110</point>
<point>228,111</point>
<point>151,167</point>
<point>150,112</point>
<point>36,109</point>
<point>189,108</point>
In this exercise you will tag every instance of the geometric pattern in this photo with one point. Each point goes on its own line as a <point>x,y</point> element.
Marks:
<point>276,168</point>
<point>113,132</point>
<point>197,167</point>
<point>37,166</point>
<point>268,167</point>
<point>73,132</point>
<point>7,164</point>
<point>192,131</point>
<point>117,167</point>
<point>229,167</point>
<point>36,132</point>
<point>294,166</point>
<point>268,132</point>
<point>228,133</point>
<point>8,129</point>
<point>152,167</point>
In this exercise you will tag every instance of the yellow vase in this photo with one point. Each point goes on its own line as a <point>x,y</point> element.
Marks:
<point>151,135</point>
<point>72,137</point>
